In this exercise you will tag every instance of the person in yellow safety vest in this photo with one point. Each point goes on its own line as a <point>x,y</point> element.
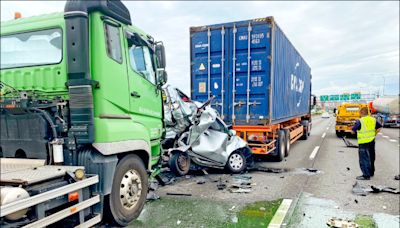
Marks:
<point>366,127</point>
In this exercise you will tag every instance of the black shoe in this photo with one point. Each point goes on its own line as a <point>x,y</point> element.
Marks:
<point>362,178</point>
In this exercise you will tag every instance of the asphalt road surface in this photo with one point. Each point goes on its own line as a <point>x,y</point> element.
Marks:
<point>317,196</point>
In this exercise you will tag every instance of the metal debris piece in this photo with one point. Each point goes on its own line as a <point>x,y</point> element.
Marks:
<point>239,190</point>
<point>220,185</point>
<point>348,143</point>
<point>340,223</point>
<point>178,194</point>
<point>152,196</point>
<point>313,170</point>
<point>348,168</point>
<point>377,189</point>
<point>244,177</point>
<point>201,182</point>
<point>359,189</point>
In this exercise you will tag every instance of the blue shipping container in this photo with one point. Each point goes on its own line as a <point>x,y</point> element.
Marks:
<point>257,81</point>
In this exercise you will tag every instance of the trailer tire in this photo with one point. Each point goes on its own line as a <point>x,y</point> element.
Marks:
<point>179,163</point>
<point>280,146</point>
<point>287,142</point>
<point>128,192</point>
<point>236,162</point>
<point>306,132</point>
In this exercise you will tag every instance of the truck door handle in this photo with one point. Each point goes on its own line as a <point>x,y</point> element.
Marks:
<point>135,94</point>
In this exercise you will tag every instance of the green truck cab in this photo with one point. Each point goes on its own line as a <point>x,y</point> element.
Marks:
<point>89,82</point>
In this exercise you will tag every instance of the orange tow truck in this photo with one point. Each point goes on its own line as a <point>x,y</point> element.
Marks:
<point>346,116</point>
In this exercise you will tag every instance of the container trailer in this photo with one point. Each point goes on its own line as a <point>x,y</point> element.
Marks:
<point>261,84</point>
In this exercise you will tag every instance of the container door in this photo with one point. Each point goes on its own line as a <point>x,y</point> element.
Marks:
<point>249,72</point>
<point>209,66</point>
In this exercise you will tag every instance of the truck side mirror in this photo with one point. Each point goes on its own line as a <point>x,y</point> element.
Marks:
<point>162,77</point>
<point>160,53</point>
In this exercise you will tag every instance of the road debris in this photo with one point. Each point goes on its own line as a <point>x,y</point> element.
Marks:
<point>220,185</point>
<point>340,223</point>
<point>397,177</point>
<point>348,168</point>
<point>313,170</point>
<point>152,196</point>
<point>359,189</point>
<point>201,182</point>
<point>178,222</point>
<point>384,207</point>
<point>239,190</point>
<point>178,194</point>
<point>348,143</point>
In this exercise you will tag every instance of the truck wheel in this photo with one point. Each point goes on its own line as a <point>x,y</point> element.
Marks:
<point>280,146</point>
<point>129,190</point>
<point>179,163</point>
<point>306,132</point>
<point>236,162</point>
<point>287,142</point>
<point>339,134</point>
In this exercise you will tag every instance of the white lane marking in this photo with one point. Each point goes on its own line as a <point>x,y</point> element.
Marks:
<point>392,140</point>
<point>323,135</point>
<point>280,214</point>
<point>314,153</point>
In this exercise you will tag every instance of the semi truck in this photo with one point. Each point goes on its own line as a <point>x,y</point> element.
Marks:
<point>346,116</point>
<point>81,116</point>
<point>387,111</point>
<point>261,84</point>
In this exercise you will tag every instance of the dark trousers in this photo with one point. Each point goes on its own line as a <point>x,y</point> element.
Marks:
<point>366,154</point>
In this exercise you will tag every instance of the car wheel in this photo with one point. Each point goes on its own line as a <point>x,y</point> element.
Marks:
<point>128,192</point>
<point>179,163</point>
<point>287,142</point>
<point>236,162</point>
<point>280,146</point>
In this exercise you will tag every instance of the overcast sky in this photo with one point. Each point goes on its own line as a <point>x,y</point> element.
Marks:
<point>350,46</point>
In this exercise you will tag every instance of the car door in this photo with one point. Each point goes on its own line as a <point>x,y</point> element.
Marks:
<point>145,99</point>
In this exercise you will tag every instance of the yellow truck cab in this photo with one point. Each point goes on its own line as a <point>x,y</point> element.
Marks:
<point>346,116</point>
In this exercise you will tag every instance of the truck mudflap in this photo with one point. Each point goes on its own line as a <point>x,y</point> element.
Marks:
<point>12,213</point>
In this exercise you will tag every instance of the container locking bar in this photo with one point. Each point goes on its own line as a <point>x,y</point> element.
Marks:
<point>209,63</point>
<point>234,73</point>
<point>248,72</point>
<point>222,70</point>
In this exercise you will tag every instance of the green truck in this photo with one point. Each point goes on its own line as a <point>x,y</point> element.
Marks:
<point>81,116</point>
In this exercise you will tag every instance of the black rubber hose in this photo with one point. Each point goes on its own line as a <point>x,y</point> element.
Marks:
<point>48,118</point>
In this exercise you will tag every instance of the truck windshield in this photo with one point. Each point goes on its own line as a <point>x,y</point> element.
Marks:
<point>31,48</point>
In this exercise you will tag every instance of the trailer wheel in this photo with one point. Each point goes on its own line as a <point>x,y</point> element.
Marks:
<point>179,163</point>
<point>287,142</point>
<point>129,191</point>
<point>306,132</point>
<point>280,146</point>
<point>236,162</point>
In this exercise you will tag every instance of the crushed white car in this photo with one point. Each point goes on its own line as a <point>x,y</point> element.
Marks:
<point>196,134</point>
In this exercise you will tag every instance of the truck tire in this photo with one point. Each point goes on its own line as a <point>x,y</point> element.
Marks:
<point>287,142</point>
<point>306,132</point>
<point>128,192</point>
<point>280,146</point>
<point>179,163</point>
<point>339,134</point>
<point>236,162</point>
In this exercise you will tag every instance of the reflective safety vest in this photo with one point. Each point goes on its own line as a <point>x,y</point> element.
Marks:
<point>367,132</point>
